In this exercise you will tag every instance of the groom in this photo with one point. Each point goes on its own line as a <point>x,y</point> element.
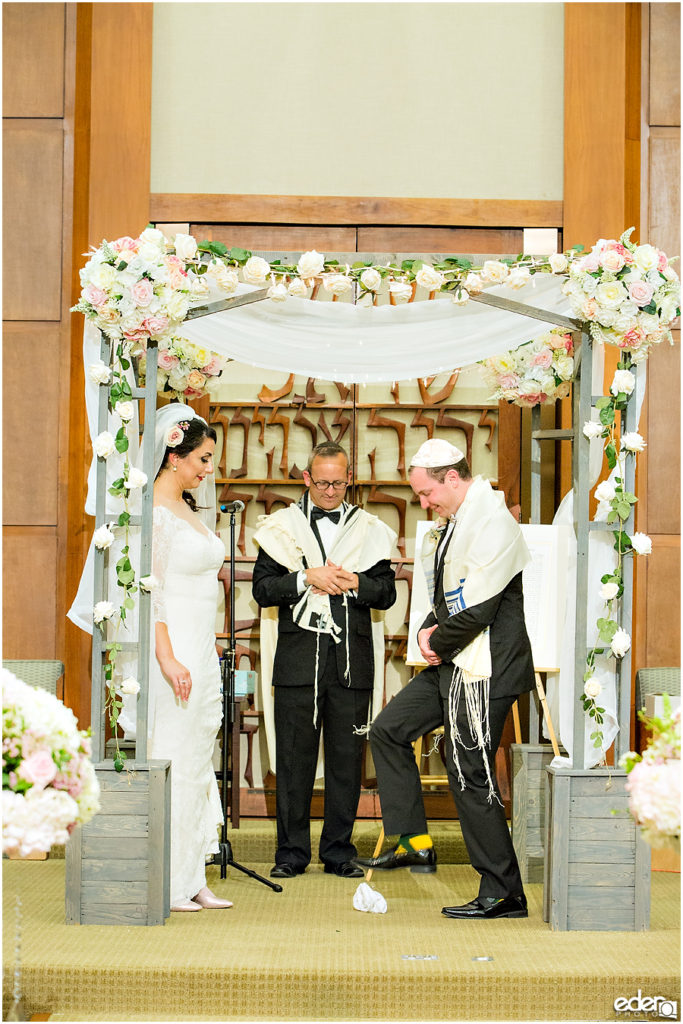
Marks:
<point>324,564</point>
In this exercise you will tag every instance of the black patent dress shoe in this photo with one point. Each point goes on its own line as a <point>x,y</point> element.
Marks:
<point>416,860</point>
<point>489,907</point>
<point>285,871</point>
<point>344,870</point>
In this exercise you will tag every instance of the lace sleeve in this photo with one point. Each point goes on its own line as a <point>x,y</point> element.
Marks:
<point>162,540</point>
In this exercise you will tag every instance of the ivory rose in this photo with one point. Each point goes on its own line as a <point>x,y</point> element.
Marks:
<point>148,583</point>
<point>103,538</point>
<point>460,296</point>
<point>136,478</point>
<point>371,279</point>
<point>401,291</point>
<point>298,288</point>
<point>494,271</point>
<point>130,685</point>
<point>99,373</point>
<point>592,429</point>
<point>102,610</point>
<point>126,410</point>
<point>429,278</point>
<point>256,269</point>
<point>226,279</point>
<point>605,491</point>
<point>185,246</point>
<point>646,257</point>
<point>337,284</point>
<point>611,260</point>
<point>558,262</point>
<point>519,276</point>
<point>633,441</point>
<point>610,294</point>
<point>621,643</point>
<point>311,264</point>
<point>104,444</point>
<point>592,689</point>
<point>200,288</point>
<point>278,292</point>
<point>641,544</point>
<point>474,284</point>
<point>608,591</point>
<point>623,382</point>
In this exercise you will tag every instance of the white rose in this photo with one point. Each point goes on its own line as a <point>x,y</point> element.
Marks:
<point>136,478</point>
<point>646,257</point>
<point>611,294</point>
<point>602,511</point>
<point>564,366</point>
<point>338,284</point>
<point>311,264</point>
<point>608,591</point>
<point>519,276</point>
<point>126,410</point>
<point>129,685</point>
<point>104,444</point>
<point>623,382</point>
<point>474,284</point>
<point>623,322</point>
<point>592,688</point>
<point>605,491</point>
<point>494,271</point>
<point>558,263</point>
<point>298,288</point>
<point>103,538</point>
<point>460,296</point>
<point>102,610</point>
<point>148,583</point>
<point>103,276</point>
<point>226,278</point>
<point>621,643</point>
<point>429,278</point>
<point>401,290</point>
<point>185,246</point>
<point>154,237</point>
<point>99,373</point>
<point>177,306</point>
<point>633,441</point>
<point>177,379</point>
<point>592,429</point>
<point>668,307</point>
<point>371,279</point>
<point>669,273</point>
<point>256,269</point>
<point>641,544</point>
<point>199,288</point>
<point>278,292</point>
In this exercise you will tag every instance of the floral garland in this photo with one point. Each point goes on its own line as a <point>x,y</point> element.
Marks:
<point>48,781</point>
<point>184,370</point>
<point>654,780</point>
<point>538,372</point>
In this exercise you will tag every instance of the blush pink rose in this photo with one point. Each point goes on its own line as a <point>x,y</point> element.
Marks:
<point>536,398</point>
<point>612,260</point>
<point>192,393</point>
<point>125,242</point>
<point>196,380</point>
<point>143,292</point>
<point>508,380</point>
<point>662,261</point>
<point>177,275</point>
<point>174,436</point>
<point>213,367</point>
<point>166,360</point>
<point>38,769</point>
<point>640,292</point>
<point>155,325</point>
<point>94,295</point>
<point>589,263</point>
<point>633,338</point>
<point>543,358</point>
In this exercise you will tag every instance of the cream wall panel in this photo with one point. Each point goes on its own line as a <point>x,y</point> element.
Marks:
<point>409,99</point>
<point>29,472</point>
<point>32,216</point>
<point>33,60</point>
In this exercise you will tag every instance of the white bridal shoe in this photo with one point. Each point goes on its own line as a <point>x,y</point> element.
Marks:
<point>187,905</point>
<point>207,899</point>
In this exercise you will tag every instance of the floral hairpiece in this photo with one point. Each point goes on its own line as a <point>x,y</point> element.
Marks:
<point>176,433</point>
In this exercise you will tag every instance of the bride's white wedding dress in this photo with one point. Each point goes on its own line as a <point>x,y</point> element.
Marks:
<point>185,561</point>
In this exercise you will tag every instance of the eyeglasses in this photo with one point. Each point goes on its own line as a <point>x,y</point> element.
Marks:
<point>324,485</point>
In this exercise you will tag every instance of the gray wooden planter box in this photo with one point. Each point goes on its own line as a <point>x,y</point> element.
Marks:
<point>597,866</point>
<point>528,806</point>
<point>118,864</point>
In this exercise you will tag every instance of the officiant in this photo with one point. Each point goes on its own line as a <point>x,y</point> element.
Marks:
<point>478,656</point>
<point>325,564</point>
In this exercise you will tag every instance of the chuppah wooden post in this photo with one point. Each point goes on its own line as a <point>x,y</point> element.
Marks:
<point>101,565</point>
<point>629,423</point>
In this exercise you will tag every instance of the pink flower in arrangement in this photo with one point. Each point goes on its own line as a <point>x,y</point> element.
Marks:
<point>662,260</point>
<point>589,263</point>
<point>213,367</point>
<point>177,275</point>
<point>633,338</point>
<point>143,292</point>
<point>166,360</point>
<point>94,295</point>
<point>192,393</point>
<point>508,380</point>
<point>39,769</point>
<point>125,242</point>
<point>543,358</point>
<point>612,260</point>
<point>155,325</point>
<point>568,344</point>
<point>536,398</point>
<point>174,436</point>
<point>641,292</point>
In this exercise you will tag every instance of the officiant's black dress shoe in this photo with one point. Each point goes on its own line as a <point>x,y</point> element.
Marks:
<point>489,907</point>
<point>285,871</point>
<point>345,870</point>
<point>416,860</point>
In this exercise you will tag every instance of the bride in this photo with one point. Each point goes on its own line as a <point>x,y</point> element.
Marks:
<point>184,681</point>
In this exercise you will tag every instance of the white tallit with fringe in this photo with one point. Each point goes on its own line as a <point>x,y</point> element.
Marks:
<point>486,551</point>
<point>360,542</point>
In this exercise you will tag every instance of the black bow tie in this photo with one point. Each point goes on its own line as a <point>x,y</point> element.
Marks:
<point>322,513</point>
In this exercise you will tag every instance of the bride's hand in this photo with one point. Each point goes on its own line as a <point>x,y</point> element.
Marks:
<point>179,677</point>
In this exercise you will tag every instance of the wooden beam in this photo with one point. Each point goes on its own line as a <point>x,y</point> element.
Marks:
<point>189,207</point>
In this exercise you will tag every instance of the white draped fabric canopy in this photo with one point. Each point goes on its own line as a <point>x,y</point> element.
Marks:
<point>354,344</point>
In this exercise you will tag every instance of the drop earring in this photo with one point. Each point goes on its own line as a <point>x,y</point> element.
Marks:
<point>174,468</point>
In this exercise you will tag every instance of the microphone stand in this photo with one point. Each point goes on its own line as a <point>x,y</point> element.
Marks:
<point>230,712</point>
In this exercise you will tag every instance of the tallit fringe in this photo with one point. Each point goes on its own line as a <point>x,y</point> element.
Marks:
<point>477,704</point>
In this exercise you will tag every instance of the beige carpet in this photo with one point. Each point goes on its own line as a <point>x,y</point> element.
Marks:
<point>305,954</point>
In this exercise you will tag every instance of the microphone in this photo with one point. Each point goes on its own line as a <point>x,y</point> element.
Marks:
<point>232,507</point>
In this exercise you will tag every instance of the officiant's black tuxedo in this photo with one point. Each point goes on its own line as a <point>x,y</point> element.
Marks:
<point>342,700</point>
<point>423,705</point>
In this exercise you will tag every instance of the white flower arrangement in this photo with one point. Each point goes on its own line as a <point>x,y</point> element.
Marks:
<point>48,781</point>
<point>654,780</point>
<point>183,369</point>
<point>538,372</point>
<point>628,294</point>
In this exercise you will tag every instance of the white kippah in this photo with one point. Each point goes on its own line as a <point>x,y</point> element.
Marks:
<point>436,453</point>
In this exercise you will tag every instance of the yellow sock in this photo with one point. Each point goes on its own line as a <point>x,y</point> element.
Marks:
<point>418,842</point>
